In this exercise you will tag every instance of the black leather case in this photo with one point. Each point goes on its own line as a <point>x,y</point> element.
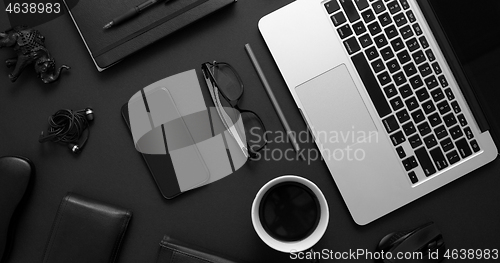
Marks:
<point>86,231</point>
<point>172,250</point>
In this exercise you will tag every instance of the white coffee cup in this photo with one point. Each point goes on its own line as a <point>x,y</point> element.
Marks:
<point>291,246</point>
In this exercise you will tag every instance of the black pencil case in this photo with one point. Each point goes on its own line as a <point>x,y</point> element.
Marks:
<point>86,230</point>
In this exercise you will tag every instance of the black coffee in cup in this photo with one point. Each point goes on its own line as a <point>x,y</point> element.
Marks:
<point>289,211</point>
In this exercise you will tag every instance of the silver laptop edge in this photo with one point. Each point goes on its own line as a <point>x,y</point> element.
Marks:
<point>310,55</point>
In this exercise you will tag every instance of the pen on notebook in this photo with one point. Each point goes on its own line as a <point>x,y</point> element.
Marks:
<point>131,13</point>
<point>290,134</point>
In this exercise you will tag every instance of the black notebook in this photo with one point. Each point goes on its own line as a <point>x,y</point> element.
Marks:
<point>109,46</point>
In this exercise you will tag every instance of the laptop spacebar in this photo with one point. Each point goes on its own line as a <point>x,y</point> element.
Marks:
<point>371,85</point>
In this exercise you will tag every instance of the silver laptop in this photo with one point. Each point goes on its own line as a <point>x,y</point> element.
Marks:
<point>383,95</point>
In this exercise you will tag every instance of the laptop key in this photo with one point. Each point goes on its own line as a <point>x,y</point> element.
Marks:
<point>413,177</point>
<point>404,4</point>
<point>431,82</point>
<point>411,16</point>
<point>406,32</point>
<point>474,146</point>
<point>468,133</point>
<point>371,53</point>
<point>449,120</point>
<point>391,31</point>
<point>378,65</point>
<point>380,40</point>
<point>396,103</point>
<point>418,116</point>
<point>437,94</point>
<point>410,163</point>
<point>456,107</point>
<point>430,55</point>
<point>332,6</point>
<point>439,159</point>
<point>443,81</point>
<point>405,91</point>
<point>402,116</point>
<point>394,7</point>
<point>368,16</point>
<point>418,57</point>
<point>463,148</point>
<point>362,4</point>
<point>424,129</point>
<point>449,94</point>
<point>443,107</point>
<point>407,164</point>
<point>410,69</point>
<point>359,28</point>
<point>384,78</point>
<point>398,138</point>
<point>393,66</point>
<point>447,144</point>
<point>453,157</point>
<point>399,78</point>
<point>411,103</point>
<point>416,82</point>
<point>425,69</point>
<point>423,42</point>
<point>417,29</point>
<point>365,40</point>
<point>404,57</point>
<point>390,91</point>
<point>379,7</point>
<point>350,10</point>
<point>344,31</point>
<point>434,119</point>
<point>400,20</point>
<point>437,68</point>
<point>401,152</point>
<point>338,19</point>
<point>371,85</point>
<point>352,45</point>
<point>385,19</point>
<point>425,161</point>
<point>387,53</point>
<point>409,128</point>
<point>412,44</point>
<point>390,124</point>
<point>428,106</point>
<point>415,141</point>
<point>441,132</point>
<point>430,141</point>
<point>456,132</point>
<point>397,44</point>
<point>374,28</point>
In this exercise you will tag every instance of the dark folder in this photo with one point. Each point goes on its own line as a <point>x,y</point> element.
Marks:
<point>109,46</point>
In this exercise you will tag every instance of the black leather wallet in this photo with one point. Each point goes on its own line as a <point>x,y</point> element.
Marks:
<point>86,230</point>
<point>172,250</point>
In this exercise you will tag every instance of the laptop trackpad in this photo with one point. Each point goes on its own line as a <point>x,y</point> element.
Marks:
<point>335,109</point>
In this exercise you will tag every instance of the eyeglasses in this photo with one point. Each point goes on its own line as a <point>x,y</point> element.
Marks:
<point>223,79</point>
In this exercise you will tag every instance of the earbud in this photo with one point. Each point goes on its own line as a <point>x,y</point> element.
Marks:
<point>74,148</point>
<point>89,113</point>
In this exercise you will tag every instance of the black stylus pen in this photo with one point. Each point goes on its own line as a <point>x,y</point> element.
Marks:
<point>131,13</point>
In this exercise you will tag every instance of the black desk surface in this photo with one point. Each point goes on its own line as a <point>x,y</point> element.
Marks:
<point>216,216</point>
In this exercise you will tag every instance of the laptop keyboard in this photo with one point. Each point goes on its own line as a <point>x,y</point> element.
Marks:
<point>405,82</point>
